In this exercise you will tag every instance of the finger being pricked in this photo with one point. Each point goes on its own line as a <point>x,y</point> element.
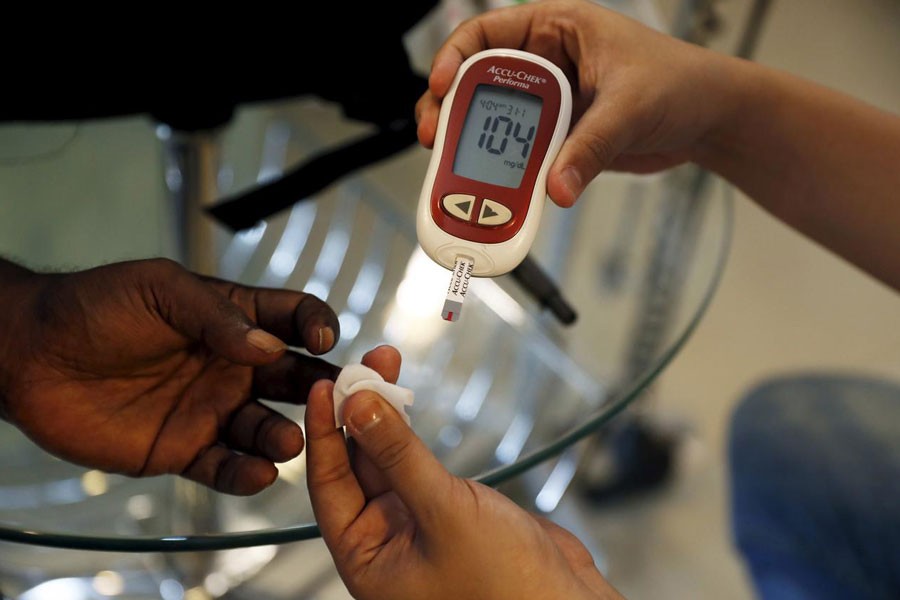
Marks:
<point>501,28</point>
<point>291,376</point>
<point>384,359</point>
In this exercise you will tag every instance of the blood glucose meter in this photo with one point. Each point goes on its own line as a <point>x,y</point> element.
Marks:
<point>500,127</point>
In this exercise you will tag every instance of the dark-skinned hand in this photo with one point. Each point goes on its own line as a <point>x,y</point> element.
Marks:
<point>144,368</point>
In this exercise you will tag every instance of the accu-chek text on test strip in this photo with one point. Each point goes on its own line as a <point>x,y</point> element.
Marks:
<point>459,286</point>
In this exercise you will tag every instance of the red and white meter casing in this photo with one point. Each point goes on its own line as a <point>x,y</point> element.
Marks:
<point>500,127</point>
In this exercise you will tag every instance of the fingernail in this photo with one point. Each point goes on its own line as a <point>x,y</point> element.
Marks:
<point>265,341</point>
<point>571,180</point>
<point>326,338</point>
<point>366,415</point>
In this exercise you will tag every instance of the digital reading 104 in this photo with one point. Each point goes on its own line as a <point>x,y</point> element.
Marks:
<point>501,122</point>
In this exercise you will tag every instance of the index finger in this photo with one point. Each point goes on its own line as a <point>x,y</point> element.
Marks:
<point>502,28</point>
<point>297,318</point>
<point>549,30</point>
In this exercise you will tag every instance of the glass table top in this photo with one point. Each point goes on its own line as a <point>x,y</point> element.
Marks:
<point>497,392</point>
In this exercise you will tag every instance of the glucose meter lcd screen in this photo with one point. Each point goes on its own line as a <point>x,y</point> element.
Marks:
<point>497,136</point>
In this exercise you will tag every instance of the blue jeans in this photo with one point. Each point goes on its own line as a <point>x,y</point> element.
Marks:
<point>815,478</point>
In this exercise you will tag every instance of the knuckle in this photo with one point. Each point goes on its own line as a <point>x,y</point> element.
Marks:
<point>310,306</point>
<point>351,546</point>
<point>469,22</point>
<point>420,106</point>
<point>547,36</point>
<point>264,429</point>
<point>153,277</point>
<point>324,476</point>
<point>238,294</point>
<point>355,549</point>
<point>163,267</point>
<point>597,146</point>
<point>224,475</point>
<point>392,454</point>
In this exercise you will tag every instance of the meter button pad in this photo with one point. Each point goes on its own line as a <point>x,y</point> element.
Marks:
<point>459,206</point>
<point>493,214</point>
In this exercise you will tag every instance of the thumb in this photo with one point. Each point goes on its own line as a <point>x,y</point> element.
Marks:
<point>598,137</point>
<point>198,311</point>
<point>408,466</point>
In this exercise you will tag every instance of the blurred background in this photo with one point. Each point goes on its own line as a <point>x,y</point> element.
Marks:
<point>77,195</point>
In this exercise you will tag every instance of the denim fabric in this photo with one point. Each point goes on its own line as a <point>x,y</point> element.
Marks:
<point>815,478</point>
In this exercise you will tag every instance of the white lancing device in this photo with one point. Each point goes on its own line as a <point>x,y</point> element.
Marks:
<point>500,127</point>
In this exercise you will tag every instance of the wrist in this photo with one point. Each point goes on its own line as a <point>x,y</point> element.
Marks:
<point>739,84</point>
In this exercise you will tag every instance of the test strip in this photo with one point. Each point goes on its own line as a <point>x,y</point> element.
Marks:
<point>459,286</point>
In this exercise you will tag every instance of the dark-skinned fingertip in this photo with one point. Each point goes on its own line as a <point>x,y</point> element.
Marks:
<point>273,477</point>
<point>286,443</point>
<point>322,369</point>
<point>263,478</point>
<point>265,341</point>
<point>326,339</point>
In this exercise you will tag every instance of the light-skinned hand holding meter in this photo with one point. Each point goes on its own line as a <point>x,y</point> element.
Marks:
<point>500,127</point>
